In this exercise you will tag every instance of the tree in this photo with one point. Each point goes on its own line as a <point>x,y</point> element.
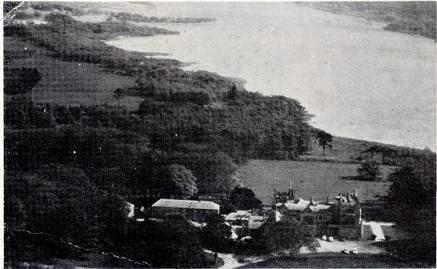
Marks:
<point>63,201</point>
<point>411,202</point>
<point>173,243</point>
<point>244,198</point>
<point>286,234</point>
<point>15,212</point>
<point>232,94</point>
<point>369,170</point>
<point>325,140</point>
<point>215,235</point>
<point>182,181</point>
<point>147,86</point>
<point>21,80</point>
<point>413,186</point>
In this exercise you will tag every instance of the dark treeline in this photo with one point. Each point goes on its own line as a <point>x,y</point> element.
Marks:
<point>397,156</point>
<point>125,16</point>
<point>412,17</point>
<point>411,203</point>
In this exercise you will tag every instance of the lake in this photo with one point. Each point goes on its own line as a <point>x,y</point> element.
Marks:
<point>357,79</point>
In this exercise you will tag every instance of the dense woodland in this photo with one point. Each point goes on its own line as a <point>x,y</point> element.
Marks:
<point>70,169</point>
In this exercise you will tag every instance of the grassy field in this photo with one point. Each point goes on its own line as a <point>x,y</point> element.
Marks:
<point>334,260</point>
<point>67,83</point>
<point>343,149</point>
<point>317,179</point>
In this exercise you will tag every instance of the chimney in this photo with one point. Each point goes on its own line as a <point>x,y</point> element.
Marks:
<point>355,193</point>
<point>312,201</point>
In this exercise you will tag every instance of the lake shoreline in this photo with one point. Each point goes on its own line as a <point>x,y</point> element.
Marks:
<point>309,90</point>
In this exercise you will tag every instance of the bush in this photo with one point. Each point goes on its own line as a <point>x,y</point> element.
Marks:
<point>369,170</point>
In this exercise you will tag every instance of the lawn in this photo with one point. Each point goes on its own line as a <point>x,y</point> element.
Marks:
<point>333,260</point>
<point>317,179</point>
<point>67,83</point>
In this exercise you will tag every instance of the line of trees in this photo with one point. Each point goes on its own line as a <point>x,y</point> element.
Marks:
<point>411,204</point>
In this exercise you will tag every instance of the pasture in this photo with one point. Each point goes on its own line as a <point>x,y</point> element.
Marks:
<point>317,179</point>
<point>67,83</point>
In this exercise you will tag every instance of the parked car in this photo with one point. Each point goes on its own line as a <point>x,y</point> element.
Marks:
<point>353,251</point>
<point>324,237</point>
<point>330,239</point>
<point>345,251</point>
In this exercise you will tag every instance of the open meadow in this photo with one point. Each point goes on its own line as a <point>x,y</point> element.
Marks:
<point>317,179</point>
<point>67,83</point>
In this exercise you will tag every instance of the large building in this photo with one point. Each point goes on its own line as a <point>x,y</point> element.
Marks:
<point>245,222</point>
<point>190,209</point>
<point>338,217</point>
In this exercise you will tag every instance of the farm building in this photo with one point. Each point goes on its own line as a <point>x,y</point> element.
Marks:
<point>243,222</point>
<point>339,217</point>
<point>190,209</point>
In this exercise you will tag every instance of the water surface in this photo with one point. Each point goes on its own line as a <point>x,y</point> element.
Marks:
<point>357,79</point>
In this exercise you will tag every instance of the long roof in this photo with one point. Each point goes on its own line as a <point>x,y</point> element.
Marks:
<point>301,204</point>
<point>174,203</point>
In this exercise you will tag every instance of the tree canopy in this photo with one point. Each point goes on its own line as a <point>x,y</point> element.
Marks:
<point>286,234</point>
<point>325,140</point>
<point>181,180</point>
<point>369,170</point>
<point>244,198</point>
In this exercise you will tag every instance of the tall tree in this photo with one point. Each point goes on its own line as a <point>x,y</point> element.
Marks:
<point>182,181</point>
<point>369,170</point>
<point>411,201</point>
<point>244,198</point>
<point>325,140</point>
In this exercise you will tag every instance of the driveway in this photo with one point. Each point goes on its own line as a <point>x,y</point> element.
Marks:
<point>337,246</point>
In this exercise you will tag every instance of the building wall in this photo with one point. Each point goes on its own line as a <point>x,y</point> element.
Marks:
<point>193,214</point>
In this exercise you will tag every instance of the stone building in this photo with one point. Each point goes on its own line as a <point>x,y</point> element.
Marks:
<point>339,217</point>
<point>190,209</point>
<point>245,222</point>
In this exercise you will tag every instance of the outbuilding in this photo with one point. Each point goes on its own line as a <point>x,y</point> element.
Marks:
<point>194,210</point>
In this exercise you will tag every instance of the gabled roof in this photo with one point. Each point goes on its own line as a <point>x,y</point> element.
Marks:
<point>256,221</point>
<point>302,205</point>
<point>297,205</point>
<point>318,207</point>
<point>174,203</point>
<point>240,214</point>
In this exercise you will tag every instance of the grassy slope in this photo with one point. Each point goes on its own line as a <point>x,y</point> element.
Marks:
<point>316,179</point>
<point>334,260</point>
<point>68,83</point>
<point>343,149</point>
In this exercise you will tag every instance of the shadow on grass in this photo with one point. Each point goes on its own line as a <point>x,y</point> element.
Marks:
<point>357,178</point>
